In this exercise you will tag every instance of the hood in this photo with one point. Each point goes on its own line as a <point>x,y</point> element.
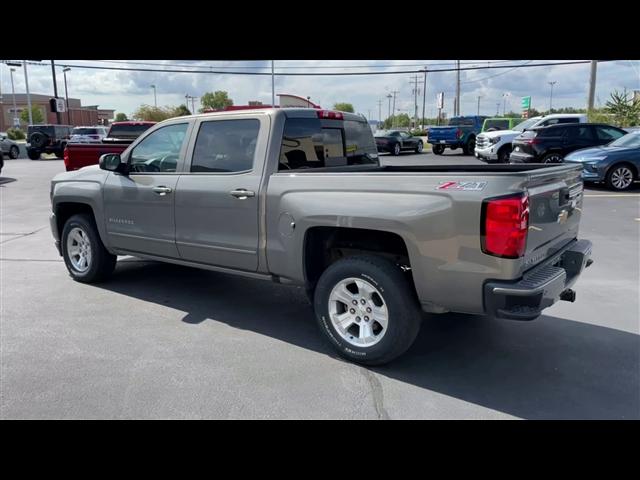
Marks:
<point>92,173</point>
<point>596,153</point>
<point>501,133</point>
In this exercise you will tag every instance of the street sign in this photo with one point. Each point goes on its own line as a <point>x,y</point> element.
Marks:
<point>526,103</point>
<point>16,122</point>
<point>57,105</point>
<point>441,100</point>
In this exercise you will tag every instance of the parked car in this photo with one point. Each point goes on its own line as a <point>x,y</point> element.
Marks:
<point>47,139</point>
<point>297,196</point>
<point>500,123</point>
<point>496,146</point>
<point>617,163</point>
<point>395,141</point>
<point>88,134</point>
<point>461,132</point>
<point>119,137</point>
<point>8,146</point>
<point>551,144</point>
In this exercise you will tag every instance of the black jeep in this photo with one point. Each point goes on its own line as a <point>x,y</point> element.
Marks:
<point>47,139</point>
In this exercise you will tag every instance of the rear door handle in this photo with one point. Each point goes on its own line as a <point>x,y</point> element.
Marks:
<point>242,194</point>
<point>162,190</point>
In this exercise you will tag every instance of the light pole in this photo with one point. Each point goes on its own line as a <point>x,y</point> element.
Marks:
<point>551,94</point>
<point>389,97</point>
<point>479,97</point>
<point>26,83</point>
<point>155,98</point>
<point>504,106</point>
<point>13,92</point>
<point>497,109</point>
<point>66,93</point>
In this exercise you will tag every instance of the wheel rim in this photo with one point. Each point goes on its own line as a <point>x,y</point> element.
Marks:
<point>621,178</point>
<point>396,149</point>
<point>358,312</point>
<point>79,249</point>
<point>13,153</point>
<point>552,159</point>
<point>419,147</point>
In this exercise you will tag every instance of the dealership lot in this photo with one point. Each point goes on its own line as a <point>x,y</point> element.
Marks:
<point>162,341</point>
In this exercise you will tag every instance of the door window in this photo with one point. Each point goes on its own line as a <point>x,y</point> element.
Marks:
<point>159,151</point>
<point>608,134</point>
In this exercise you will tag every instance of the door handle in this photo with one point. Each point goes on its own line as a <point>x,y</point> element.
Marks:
<point>161,190</point>
<point>242,194</point>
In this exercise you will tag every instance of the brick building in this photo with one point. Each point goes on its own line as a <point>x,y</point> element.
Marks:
<point>77,115</point>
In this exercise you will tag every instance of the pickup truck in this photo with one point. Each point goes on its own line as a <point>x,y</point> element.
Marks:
<point>298,196</point>
<point>461,132</point>
<point>119,137</point>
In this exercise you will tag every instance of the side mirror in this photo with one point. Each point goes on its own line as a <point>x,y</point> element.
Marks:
<point>112,163</point>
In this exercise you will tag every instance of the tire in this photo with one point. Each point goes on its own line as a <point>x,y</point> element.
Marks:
<point>419,147</point>
<point>59,153</point>
<point>1,161</point>
<point>469,147</point>
<point>33,154</point>
<point>438,149</point>
<point>14,152</point>
<point>504,153</point>
<point>386,289</point>
<point>396,149</point>
<point>553,157</point>
<point>620,177</point>
<point>80,232</point>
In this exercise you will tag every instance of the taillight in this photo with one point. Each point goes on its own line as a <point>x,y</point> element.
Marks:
<point>65,157</point>
<point>329,114</point>
<point>532,141</point>
<point>505,223</point>
<point>459,133</point>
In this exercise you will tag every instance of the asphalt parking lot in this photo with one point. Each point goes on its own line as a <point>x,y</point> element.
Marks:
<point>163,341</point>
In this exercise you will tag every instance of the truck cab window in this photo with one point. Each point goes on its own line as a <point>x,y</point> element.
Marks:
<point>160,151</point>
<point>225,146</point>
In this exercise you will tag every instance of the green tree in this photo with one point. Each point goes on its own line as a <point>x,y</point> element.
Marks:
<point>395,121</point>
<point>121,117</point>
<point>624,110</point>
<point>36,114</point>
<point>153,114</point>
<point>181,111</point>
<point>343,107</point>
<point>216,100</point>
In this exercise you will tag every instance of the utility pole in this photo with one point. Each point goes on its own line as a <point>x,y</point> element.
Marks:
<point>497,109</point>
<point>551,94</point>
<point>479,97</point>
<point>55,88</point>
<point>379,110</point>
<point>13,91</point>
<point>66,94</point>
<point>415,99</point>
<point>394,107</point>
<point>155,97</point>
<point>424,94</point>
<point>457,109</point>
<point>504,107</point>
<point>26,83</point>
<point>592,84</point>
<point>273,85</point>
<point>389,97</point>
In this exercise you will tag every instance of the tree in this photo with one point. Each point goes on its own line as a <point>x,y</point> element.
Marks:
<point>395,121</point>
<point>121,117</point>
<point>625,110</point>
<point>181,111</point>
<point>216,100</point>
<point>153,114</point>
<point>343,107</point>
<point>36,114</point>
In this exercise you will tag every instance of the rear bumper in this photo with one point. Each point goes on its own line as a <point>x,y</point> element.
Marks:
<point>519,157</point>
<point>540,287</point>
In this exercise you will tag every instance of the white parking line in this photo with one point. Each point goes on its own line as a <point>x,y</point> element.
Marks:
<point>614,195</point>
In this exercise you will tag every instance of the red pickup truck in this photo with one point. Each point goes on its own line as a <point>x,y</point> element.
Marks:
<point>120,136</point>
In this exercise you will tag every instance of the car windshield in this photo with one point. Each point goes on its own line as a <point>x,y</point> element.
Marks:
<point>383,133</point>
<point>526,124</point>
<point>630,140</point>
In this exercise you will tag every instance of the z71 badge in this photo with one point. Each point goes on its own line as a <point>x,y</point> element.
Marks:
<point>471,186</point>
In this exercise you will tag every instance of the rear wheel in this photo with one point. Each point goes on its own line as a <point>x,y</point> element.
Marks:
<point>367,309</point>
<point>469,147</point>
<point>84,254</point>
<point>396,149</point>
<point>553,157</point>
<point>620,177</point>
<point>33,154</point>
<point>14,152</point>
<point>419,147</point>
<point>438,149</point>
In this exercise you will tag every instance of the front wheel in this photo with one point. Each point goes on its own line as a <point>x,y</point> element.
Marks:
<point>367,309</point>
<point>84,254</point>
<point>396,149</point>
<point>503,154</point>
<point>419,147</point>
<point>469,147</point>
<point>620,177</point>
<point>14,152</point>
<point>438,149</point>
<point>552,158</point>
<point>33,154</point>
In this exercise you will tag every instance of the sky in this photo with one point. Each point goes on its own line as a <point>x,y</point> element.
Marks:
<point>125,91</point>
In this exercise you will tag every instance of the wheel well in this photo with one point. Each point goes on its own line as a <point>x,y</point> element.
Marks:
<point>630,165</point>
<point>326,245</point>
<point>65,210</point>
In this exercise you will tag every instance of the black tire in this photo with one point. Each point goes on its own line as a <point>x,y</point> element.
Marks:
<point>38,139</point>
<point>553,157</point>
<point>404,313</point>
<point>618,175</point>
<point>14,152</point>
<point>1,161</point>
<point>469,147</point>
<point>438,149</point>
<point>396,150</point>
<point>504,153</point>
<point>419,147</point>
<point>102,262</point>
<point>59,153</point>
<point>33,154</point>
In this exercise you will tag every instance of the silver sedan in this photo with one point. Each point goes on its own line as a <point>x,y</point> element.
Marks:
<point>9,147</point>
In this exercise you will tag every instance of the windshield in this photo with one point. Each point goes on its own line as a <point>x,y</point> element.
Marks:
<point>382,133</point>
<point>526,124</point>
<point>630,140</point>
<point>498,124</point>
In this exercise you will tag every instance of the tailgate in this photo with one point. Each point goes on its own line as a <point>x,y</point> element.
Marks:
<point>555,207</point>
<point>443,133</point>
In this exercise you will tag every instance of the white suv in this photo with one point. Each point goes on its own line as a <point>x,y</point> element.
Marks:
<point>496,146</point>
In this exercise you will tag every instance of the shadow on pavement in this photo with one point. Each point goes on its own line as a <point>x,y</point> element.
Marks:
<point>4,180</point>
<point>551,368</point>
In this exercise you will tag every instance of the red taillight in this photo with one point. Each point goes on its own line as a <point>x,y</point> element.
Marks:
<point>330,115</point>
<point>65,157</point>
<point>459,133</point>
<point>532,141</point>
<point>505,225</point>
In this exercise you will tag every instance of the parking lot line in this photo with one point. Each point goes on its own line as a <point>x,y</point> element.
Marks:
<point>611,195</point>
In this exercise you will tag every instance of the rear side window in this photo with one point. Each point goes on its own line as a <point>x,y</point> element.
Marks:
<point>580,133</point>
<point>459,122</point>
<point>552,132</point>
<point>128,130</point>
<point>608,134</point>
<point>225,146</point>
<point>361,147</point>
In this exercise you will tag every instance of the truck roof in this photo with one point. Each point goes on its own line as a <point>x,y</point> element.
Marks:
<point>291,112</point>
